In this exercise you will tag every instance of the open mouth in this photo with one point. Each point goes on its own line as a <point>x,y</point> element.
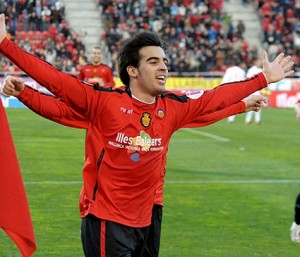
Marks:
<point>162,78</point>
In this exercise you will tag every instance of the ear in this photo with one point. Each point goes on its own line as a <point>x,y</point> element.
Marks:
<point>132,71</point>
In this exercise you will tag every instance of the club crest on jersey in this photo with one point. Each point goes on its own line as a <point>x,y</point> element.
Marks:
<point>146,119</point>
<point>160,113</point>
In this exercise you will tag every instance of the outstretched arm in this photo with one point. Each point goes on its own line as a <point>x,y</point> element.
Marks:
<point>227,94</point>
<point>251,103</point>
<point>47,106</point>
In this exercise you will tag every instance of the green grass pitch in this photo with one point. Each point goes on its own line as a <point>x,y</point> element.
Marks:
<point>230,188</point>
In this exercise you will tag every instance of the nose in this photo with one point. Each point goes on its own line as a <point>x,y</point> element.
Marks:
<point>163,66</point>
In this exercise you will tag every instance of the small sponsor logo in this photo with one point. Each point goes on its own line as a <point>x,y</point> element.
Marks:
<point>125,110</point>
<point>194,94</point>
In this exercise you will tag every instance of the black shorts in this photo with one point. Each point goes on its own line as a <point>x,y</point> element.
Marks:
<point>102,238</point>
<point>153,240</point>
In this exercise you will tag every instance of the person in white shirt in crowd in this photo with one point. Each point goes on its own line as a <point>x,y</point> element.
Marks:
<point>297,109</point>
<point>254,69</point>
<point>235,72</point>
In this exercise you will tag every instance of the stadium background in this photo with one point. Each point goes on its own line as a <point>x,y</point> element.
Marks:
<point>204,37</point>
<point>237,199</point>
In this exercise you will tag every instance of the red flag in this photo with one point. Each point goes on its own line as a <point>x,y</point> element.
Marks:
<point>15,217</point>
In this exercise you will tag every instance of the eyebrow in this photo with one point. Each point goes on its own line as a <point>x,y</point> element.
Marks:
<point>156,58</point>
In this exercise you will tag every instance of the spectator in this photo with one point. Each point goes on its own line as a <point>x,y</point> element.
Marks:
<point>241,29</point>
<point>97,72</point>
<point>187,25</point>
<point>48,18</point>
<point>253,70</point>
<point>236,72</point>
<point>297,110</point>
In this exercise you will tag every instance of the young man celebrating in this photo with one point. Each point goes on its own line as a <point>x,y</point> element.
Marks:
<point>56,110</point>
<point>134,127</point>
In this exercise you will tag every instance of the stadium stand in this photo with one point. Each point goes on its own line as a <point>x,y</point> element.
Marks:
<point>201,37</point>
<point>281,27</point>
<point>40,27</point>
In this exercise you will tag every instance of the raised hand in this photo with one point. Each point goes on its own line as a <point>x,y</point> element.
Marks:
<point>2,27</point>
<point>12,86</point>
<point>279,69</point>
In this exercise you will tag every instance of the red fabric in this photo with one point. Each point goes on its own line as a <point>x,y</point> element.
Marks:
<point>15,217</point>
<point>56,110</point>
<point>93,73</point>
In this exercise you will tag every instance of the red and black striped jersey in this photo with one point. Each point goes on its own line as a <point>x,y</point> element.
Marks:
<point>92,73</point>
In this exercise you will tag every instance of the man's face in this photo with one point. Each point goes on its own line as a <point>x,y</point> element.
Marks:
<point>96,56</point>
<point>152,71</point>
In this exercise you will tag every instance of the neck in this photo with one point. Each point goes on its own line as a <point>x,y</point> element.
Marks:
<point>142,101</point>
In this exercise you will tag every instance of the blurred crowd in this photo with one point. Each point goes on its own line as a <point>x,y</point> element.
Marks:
<point>201,37</point>
<point>281,27</point>
<point>40,27</point>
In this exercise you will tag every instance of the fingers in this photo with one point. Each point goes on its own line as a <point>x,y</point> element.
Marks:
<point>9,86</point>
<point>289,73</point>
<point>287,63</point>
<point>279,58</point>
<point>255,103</point>
<point>287,69</point>
<point>258,106</point>
<point>285,59</point>
<point>265,55</point>
<point>8,90</point>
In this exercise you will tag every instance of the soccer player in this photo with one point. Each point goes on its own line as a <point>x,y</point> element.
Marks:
<point>97,72</point>
<point>56,110</point>
<point>295,228</point>
<point>254,69</point>
<point>234,73</point>
<point>134,127</point>
<point>297,109</point>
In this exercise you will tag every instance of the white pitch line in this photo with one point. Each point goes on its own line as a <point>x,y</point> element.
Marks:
<point>218,138</point>
<point>268,181</point>
<point>46,140</point>
<point>182,182</point>
<point>48,182</point>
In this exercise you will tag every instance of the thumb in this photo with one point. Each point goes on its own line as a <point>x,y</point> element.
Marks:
<point>265,56</point>
<point>16,80</point>
<point>18,84</point>
<point>2,27</point>
<point>1,18</point>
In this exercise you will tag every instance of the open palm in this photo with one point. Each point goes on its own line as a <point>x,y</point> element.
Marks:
<point>279,69</point>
